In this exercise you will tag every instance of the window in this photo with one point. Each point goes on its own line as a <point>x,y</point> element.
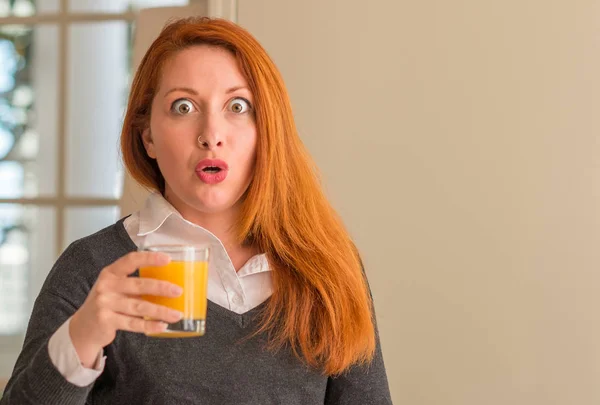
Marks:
<point>64,75</point>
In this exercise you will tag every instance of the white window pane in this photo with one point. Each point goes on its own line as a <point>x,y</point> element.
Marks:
<point>158,3</point>
<point>84,221</point>
<point>47,6</point>
<point>25,8</point>
<point>28,110</point>
<point>97,90</point>
<point>42,249</point>
<point>99,6</point>
<point>11,180</point>
<point>27,252</point>
<point>117,6</point>
<point>45,83</point>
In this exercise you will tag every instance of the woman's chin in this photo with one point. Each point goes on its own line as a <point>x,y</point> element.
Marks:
<point>215,202</point>
<point>213,210</point>
<point>213,207</point>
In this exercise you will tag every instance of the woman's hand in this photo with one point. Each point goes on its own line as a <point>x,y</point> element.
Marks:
<point>114,303</point>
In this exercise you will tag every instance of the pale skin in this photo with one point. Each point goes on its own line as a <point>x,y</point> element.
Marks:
<point>203,93</point>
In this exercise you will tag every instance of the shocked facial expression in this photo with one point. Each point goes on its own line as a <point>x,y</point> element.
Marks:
<point>202,131</point>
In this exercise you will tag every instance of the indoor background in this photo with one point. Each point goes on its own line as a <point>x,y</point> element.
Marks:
<point>458,140</point>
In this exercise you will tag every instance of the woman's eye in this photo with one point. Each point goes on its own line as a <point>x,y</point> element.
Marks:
<point>182,106</point>
<point>239,105</point>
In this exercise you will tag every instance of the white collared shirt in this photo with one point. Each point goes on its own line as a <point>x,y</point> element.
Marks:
<point>159,223</point>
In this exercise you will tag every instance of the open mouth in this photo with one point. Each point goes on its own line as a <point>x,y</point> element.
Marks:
<point>211,169</point>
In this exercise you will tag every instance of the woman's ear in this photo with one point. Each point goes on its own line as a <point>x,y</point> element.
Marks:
<point>148,143</point>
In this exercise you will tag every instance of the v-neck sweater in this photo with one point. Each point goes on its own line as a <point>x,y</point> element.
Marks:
<point>221,367</point>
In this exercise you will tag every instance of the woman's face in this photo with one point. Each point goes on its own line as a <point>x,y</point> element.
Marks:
<point>202,131</point>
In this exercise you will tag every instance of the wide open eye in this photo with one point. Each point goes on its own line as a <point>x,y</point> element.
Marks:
<point>239,105</point>
<point>182,106</point>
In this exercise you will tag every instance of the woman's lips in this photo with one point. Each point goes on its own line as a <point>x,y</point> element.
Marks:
<point>212,171</point>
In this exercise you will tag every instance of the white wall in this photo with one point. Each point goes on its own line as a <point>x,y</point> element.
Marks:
<point>459,140</point>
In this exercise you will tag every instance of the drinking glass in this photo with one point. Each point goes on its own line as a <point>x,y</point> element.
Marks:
<point>189,270</point>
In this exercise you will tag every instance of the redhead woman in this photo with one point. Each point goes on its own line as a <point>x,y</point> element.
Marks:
<point>210,130</point>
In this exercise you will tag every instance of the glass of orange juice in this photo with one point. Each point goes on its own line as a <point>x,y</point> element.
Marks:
<point>189,270</point>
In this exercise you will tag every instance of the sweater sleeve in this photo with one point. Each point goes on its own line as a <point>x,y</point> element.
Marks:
<point>35,380</point>
<point>362,384</point>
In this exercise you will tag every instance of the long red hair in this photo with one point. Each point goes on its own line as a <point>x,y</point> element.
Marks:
<point>321,306</point>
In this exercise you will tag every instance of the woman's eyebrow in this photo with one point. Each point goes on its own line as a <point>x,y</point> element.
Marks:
<point>184,89</point>
<point>236,88</point>
<point>195,93</point>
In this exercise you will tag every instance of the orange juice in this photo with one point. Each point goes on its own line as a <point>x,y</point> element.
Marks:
<point>192,276</point>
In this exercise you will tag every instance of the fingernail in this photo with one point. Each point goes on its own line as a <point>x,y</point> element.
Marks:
<point>175,289</point>
<point>177,314</point>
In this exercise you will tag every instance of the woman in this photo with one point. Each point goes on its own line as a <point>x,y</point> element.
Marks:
<point>209,128</point>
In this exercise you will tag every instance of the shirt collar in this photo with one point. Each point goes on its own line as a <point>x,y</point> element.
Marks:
<point>155,212</point>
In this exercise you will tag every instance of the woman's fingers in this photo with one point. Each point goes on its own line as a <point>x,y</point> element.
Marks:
<point>134,260</point>
<point>114,304</point>
<point>139,325</point>
<point>138,286</point>
<point>139,308</point>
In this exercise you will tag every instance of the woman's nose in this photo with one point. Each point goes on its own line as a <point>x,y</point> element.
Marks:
<point>208,144</point>
<point>211,135</point>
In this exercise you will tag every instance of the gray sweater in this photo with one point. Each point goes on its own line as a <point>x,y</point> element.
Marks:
<point>218,368</point>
